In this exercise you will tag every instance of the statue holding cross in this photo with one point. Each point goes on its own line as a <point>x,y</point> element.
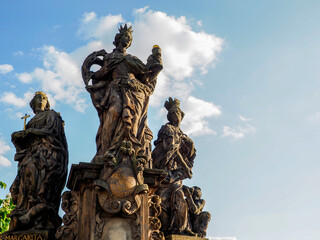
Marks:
<point>42,156</point>
<point>25,120</point>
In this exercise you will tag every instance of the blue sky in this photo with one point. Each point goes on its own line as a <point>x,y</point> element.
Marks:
<point>247,74</point>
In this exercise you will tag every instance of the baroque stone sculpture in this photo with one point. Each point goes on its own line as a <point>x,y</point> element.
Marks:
<point>175,153</point>
<point>112,190</point>
<point>42,155</point>
<point>120,93</point>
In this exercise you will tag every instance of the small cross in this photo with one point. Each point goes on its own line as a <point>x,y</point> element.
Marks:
<point>25,121</point>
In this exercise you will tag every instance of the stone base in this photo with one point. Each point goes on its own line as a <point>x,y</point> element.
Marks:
<point>28,235</point>
<point>183,237</point>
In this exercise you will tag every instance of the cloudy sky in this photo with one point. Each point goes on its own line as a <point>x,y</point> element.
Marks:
<point>246,72</point>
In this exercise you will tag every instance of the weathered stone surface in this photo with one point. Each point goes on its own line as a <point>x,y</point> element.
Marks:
<point>42,153</point>
<point>175,153</point>
<point>28,235</point>
<point>91,219</point>
<point>70,204</point>
<point>83,172</point>
<point>120,92</point>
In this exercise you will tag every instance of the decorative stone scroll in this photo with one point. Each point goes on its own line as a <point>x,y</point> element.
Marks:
<point>121,184</point>
<point>70,205</point>
<point>154,222</point>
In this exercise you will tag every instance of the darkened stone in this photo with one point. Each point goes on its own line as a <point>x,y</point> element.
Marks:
<point>175,153</point>
<point>120,92</point>
<point>42,156</point>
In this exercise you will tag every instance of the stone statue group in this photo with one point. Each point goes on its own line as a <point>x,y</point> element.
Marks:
<point>120,92</point>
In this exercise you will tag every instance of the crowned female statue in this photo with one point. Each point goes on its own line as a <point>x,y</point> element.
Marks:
<point>120,93</point>
<point>42,155</point>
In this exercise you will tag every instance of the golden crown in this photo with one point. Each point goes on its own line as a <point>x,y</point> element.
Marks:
<point>155,46</point>
<point>172,104</point>
<point>40,92</point>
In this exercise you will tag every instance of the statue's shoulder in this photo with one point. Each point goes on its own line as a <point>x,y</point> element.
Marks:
<point>133,58</point>
<point>53,114</point>
<point>112,55</point>
<point>167,130</point>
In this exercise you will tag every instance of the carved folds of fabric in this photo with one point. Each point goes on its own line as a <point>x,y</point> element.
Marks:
<point>120,92</point>
<point>42,153</point>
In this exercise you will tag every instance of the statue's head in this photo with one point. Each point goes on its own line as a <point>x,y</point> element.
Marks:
<point>124,37</point>
<point>65,203</point>
<point>175,114</point>
<point>39,102</point>
<point>196,195</point>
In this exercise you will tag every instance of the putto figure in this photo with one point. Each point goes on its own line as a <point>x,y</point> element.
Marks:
<point>42,155</point>
<point>198,219</point>
<point>120,93</point>
<point>175,153</point>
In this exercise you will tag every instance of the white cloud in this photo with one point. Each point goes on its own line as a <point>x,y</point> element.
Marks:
<point>11,98</point>
<point>222,238</point>
<point>102,28</point>
<point>24,77</point>
<point>197,111</point>
<point>87,17</point>
<point>184,52</point>
<point>60,78</point>
<point>237,132</point>
<point>4,148</point>
<point>6,68</point>
<point>244,119</point>
<point>18,53</point>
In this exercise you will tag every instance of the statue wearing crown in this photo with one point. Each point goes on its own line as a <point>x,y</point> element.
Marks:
<point>42,156</point>
<point>120,92</point>
<point>175,153</point>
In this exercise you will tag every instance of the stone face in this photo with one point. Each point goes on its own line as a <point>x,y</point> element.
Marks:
<point>42,156</point>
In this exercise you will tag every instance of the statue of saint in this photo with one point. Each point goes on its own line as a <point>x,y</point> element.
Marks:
<point>120,93</point>
<point>42,155</point>
<point>175,153</point>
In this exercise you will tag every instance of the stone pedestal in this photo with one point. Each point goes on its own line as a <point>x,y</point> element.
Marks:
<point>182,237</point>
<point>93,222</point>
<point>28,235</point>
